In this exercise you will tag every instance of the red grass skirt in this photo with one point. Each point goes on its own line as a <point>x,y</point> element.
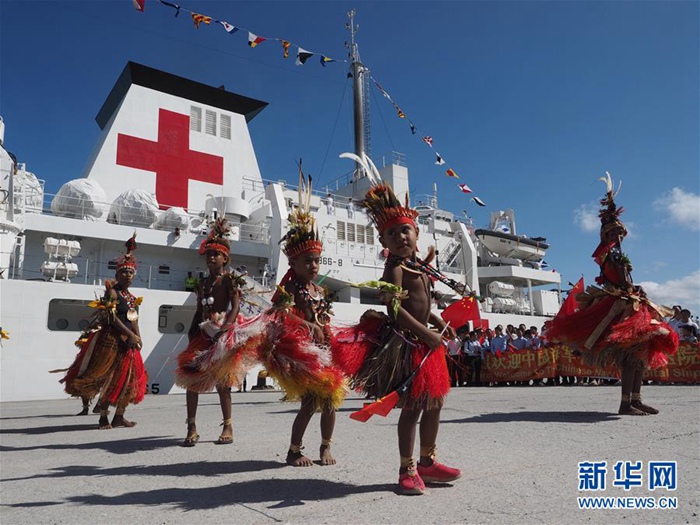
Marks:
<point>608,329</point>
<point>300,366</point>
<point>378,356</point>
<point>206,364</point>
<point>107,368</point>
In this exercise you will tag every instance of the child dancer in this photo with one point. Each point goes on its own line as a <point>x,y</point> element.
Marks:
<point>211,358</point>
<point>388,349</point>
<point>109,363</point>
<point>296,352</point>
<point>617,322</point>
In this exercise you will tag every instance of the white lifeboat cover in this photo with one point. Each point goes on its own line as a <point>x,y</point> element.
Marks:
<point>79,199</point>
<point>26,184</point>
<point>134,207</point>
<point>174,217</point>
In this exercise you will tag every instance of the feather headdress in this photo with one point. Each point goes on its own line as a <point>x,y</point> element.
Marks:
<point>302,236</point>
<point>217,238</point>
<point>609,211</point>
<point>380,202</point>
<point>128,260</point>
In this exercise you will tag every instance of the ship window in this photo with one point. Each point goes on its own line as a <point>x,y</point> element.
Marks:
<point>360,233</point>
<point>195,118</point>
<point>173,319</point>
<point>369,235</point>
<point>226,127</point>
<point>210,123</point>
<point>112,265</point>
<point>164,269</point>
<point>70,315</point>
<point>341,230</point>
<point>351,232</point>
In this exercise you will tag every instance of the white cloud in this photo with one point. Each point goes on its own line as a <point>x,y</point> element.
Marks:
<point>586,217</point>
<point>684,291</point>
<point>682,207</point>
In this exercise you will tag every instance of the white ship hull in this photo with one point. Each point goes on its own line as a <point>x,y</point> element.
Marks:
<point>44,310</point>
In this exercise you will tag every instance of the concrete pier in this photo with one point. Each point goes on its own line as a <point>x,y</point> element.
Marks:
<point>518,447</point>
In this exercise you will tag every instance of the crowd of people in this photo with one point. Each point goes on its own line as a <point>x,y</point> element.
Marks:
<point>682,322</point>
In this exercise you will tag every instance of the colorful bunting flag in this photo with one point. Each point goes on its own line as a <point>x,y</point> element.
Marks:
<point>285,47</point>
<point>174,6</point>
<point>478,201</point>
<point>439,160</point>
<point>451,173</point>
<point>413,129</point>
<point>228,27</point>
<point>428,141</point>
<point>302,56</point>
<point>198,19</point>
<point>139,5</point>
<point>325,60</point>
<point>401,113</point>
<point>254,40</point>
<point>464,188</point>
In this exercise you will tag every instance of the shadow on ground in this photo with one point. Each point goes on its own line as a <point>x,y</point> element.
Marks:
<point>125,446</point>
<point>191,468</point>
<point>539,417</point>
<point>279,493</point>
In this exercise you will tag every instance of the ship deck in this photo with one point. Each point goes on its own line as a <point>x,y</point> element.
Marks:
<point>519,449</point>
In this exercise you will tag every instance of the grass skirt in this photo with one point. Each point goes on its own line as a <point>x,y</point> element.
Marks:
<point>378,356</point>
<point>206,364</point>
<point>107,368</point>
<point>300,366</point>
<point>622,329</point>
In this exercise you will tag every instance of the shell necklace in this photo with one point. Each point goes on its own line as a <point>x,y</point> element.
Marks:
<point>319,305</point>
<point>132,314</point>
<point>207,297</point>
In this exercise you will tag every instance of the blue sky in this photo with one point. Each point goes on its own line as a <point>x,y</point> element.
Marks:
<point>529,102</point>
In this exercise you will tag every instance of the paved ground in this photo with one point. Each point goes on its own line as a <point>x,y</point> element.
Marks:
<point>519,448</point>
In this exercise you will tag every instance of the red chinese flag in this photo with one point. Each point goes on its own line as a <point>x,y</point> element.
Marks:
<point>570,305</point>
<point>462,311</point>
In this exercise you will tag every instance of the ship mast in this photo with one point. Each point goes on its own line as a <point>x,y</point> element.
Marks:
<point>360,102</point>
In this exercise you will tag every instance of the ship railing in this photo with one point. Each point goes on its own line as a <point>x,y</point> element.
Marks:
<point>194,221</point>
<point>150,276</point>
<point>339,206</point>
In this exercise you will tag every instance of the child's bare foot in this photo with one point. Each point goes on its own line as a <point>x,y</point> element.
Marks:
<point>85,411</point>
<point>297,459</point>
<point>103,423</point>
<point>627,409</point>
<point>226,437</point>
<point>326,456</point>
<point>644,408</point>
<point>119,421</point>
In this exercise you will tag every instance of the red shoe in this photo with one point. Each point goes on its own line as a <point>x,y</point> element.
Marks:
<point>411,483</point>
<point>438,473</point>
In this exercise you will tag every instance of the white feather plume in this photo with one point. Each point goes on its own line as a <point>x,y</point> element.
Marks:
<point>369,167</point>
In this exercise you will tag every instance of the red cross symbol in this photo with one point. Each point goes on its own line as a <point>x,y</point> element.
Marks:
<point>170,158</point>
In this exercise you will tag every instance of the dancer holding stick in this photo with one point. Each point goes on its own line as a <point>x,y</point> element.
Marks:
<point>398,353</point>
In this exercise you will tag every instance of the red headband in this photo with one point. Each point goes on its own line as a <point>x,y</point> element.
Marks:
<point>213,246</point>
<point>399,219</point>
